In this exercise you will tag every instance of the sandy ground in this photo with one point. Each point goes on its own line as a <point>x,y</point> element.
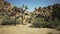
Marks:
<point>24,29</point>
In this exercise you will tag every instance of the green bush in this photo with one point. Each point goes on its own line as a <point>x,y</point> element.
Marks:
<point>10,21</point>
<point>36,24</point>
<point>39,22</point>
<point>6,20</point>
<point>18,21</point>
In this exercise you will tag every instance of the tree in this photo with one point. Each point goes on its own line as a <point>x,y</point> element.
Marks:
<point>23,9</point>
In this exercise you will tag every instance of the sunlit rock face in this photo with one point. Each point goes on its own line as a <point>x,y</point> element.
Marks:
<point>26,17</point>
<point>43,11</point>
<point>1,3</point>
<point>4,4</point>
<point>46,12</point>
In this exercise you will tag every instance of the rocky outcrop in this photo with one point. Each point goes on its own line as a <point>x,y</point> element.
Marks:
<point>46,12</point>
<point>27,17</point>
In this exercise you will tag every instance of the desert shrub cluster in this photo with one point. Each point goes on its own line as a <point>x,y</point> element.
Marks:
<point>10,21</point>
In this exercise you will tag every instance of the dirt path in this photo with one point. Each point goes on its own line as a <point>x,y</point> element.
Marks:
<point>24,29</point>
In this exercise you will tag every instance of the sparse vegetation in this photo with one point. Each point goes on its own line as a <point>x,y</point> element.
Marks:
<point>10,21</point>
<point>41,23</point>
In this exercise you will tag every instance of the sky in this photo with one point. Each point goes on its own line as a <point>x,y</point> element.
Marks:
<point>31,4</point>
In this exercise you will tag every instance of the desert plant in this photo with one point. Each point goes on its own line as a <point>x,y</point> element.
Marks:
<point>36,24</point>
<point>39,22</point>
<point>6,21</point>
<point>52,24</point>
<point>10,21</point>
<point>17,20</point>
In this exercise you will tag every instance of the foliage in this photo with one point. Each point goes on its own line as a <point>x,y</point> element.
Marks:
<point>9,21</point>
<point>6,21</point>
<point>38,22</point>
<point>41,23</point>
<point>56,13</point>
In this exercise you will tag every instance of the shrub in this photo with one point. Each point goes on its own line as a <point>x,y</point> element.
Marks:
<point>6,21</point>
<point>36,24</point>
<point>18,21</point>
<point>39,22</point>
<point>10,21</point>
<point>52,24</point>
